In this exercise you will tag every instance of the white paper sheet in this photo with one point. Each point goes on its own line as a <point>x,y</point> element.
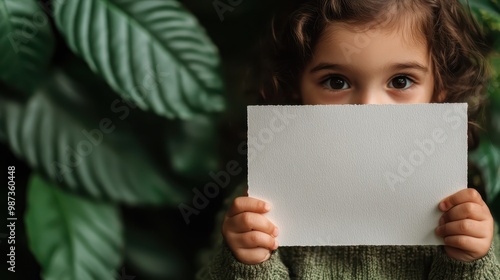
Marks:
<point>356,174</point>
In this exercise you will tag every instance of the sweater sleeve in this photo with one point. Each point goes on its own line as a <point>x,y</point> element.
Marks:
<point>486,268</point>
<point>225,266</point>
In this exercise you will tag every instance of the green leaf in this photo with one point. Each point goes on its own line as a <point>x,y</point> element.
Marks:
<point>26,43</point>
<point>71,237</point>
<point>85,145</point>
<point>487,158</point>
<point>152,52</point>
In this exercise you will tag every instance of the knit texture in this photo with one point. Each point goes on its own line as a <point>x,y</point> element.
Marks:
<point>354,262</point>
<point>351,262</point>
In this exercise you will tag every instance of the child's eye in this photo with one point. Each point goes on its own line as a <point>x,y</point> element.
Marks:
<point>336,83</point>
<point>401,82</point>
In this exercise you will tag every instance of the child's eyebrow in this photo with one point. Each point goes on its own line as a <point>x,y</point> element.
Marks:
<point>408,65</point>
<point>393,67</point>
<point>328,66</point>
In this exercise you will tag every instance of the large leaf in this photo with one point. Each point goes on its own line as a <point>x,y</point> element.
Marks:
<point>26,43</point>
<point>153,52</point>
<point>85,145</point>
<point>71,237</point>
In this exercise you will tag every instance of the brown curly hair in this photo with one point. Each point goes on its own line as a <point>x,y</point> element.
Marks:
<point>456,43</point>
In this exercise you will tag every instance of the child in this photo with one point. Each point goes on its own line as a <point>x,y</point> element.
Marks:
<point>361,52</point>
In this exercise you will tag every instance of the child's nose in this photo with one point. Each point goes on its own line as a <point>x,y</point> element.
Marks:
<point>371,96</point>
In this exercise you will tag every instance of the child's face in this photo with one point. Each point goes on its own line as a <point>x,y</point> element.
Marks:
<point>376,67</point>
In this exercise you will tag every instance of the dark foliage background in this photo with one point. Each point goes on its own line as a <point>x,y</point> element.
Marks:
<point>115,214</point>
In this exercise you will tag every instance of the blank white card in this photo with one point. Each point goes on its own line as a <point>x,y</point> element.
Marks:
<point>356,174</point>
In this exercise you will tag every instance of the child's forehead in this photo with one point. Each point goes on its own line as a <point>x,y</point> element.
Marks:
<point>374,48</point>
<point>410,21</point>
<point>404,29</point>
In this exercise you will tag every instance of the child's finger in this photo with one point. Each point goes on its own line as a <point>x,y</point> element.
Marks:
<point>254,239</point>
<point>252,256</point>
<point>463,227</point>
<point>248,204</point>
<point>249,221</point>
<point>460,255</point>
<point>463,242</point>
<point>463,196</point>
<point>468,210</point>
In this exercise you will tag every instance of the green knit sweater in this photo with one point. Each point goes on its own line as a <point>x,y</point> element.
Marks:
<point>354,262</point>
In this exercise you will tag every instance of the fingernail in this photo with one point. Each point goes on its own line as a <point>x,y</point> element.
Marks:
<point>267,206</point>
<point>442,206</point>
<point>276,244</point>
<point>276,232</point>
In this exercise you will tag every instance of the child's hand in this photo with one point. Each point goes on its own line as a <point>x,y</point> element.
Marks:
<point>466,226</point>
<point>249,235</point>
